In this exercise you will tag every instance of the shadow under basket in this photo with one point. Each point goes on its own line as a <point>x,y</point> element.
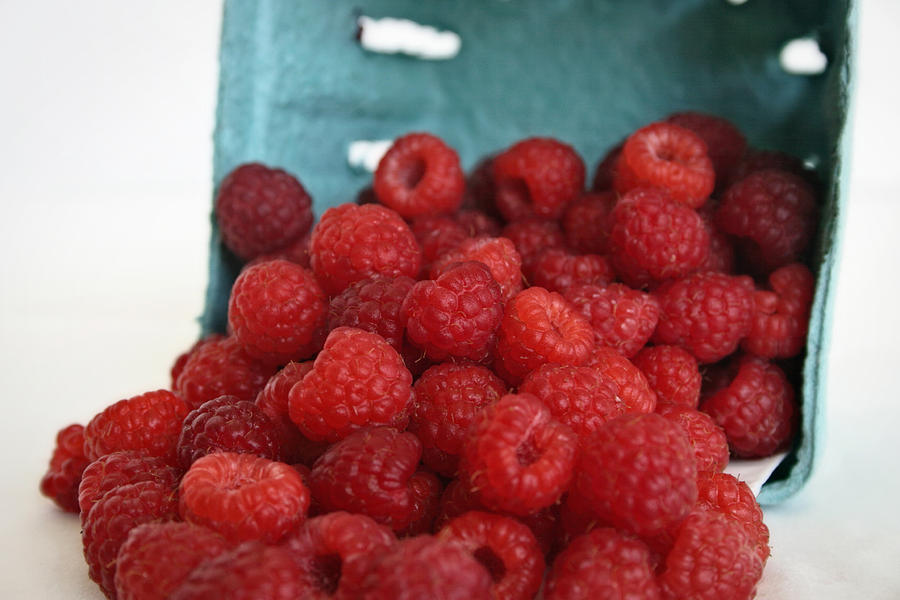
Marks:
<point>297,88</point>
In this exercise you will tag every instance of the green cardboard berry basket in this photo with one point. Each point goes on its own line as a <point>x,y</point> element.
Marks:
<point>296,88</point>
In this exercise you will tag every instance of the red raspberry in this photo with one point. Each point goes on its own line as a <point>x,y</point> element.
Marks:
<point>672,373</point>
<point>498,254</point>
<point>760,160</point>
<point>707,439</point>
<point>357,380</point>
<point>532,237</point>
<point>602,564</point>
<point>219,368</point>
<point>437,235</point>
<point>705,313</point>
<point>297,252</point>
<point>227,424</point>
<point>638,474</point>
<point>243,497</point>
<point>60,482</point>
<point>725,494</point>
<point>517,457</point>
<point>725,143</point>
<point>122,468</point>
<point>277,312</point>
<point>558,270</point>
<point>622,318</point>
<point>654,238</point>
<point>353,242</point>
<point>587,222</point>
<point>633,389</point>
<point>667,156</point>
<point>369,472</point>
<point>260,209</point>
<point>713,558</point>
<point>774,215</point>
<point>756,409</point>
<point>537,177</point>
<point>373,304</point>
<point>540,327</point>
<point>149,423</point>
<point>478,223</point>
<point>721,255</point>
<point>456,315</point>
<point>480,190</point>
<point>182,358</point>
<point>419,175</point>
<point>425,497</point>
<point>605,174</point>
<point>506,547</point>
<point>157,557</point>
<point>447,398</point>
<point>781,317</point>
<point>106,527</point>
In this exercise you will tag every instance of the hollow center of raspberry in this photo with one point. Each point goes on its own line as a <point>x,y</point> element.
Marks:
<point>326,570</point>
<point>489,559</point>
<point>412,173</point>
<point>527,452</point>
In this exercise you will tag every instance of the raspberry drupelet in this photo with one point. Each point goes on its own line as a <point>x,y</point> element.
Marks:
<point>622,318</point>
<point>64,473</point>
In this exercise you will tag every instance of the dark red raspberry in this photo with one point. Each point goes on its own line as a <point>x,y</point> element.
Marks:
<point>725,494</point>
<point>773,213</point>
<point>706,313</point>
<point>760,160</point>
<point>707,439</point>
<point>516,456</point>
<point>122,468</point>
<point>227,424</point>
<point>456,315</point>
<point>721,255</point>
<point>605,173</point>
<point>587,222</point>
<point>540,327</point>
<point>425,496</point>
<point>498,254</point>
<point>182,358</point>
<point>713,558</point>
<point>60,482</point>
<point>480,190</point>
<point>638,474</point>
<point>672,373</point>
<point>622,318</point>
<point>277,312</point>
<point>532,237</point>
<point>260,209</point>
<point>756,410</point>
<point>447,398</point>
<point>219,368</point>
<point>478,223</point>
<point>373,304</point>
<point>653,238</point>
<point>369,472</point>
<point>576,517</point>
<point>537,177</point>
<point>667,156</point>
<point>602,564</point>
<point>419,175</point>
<point>157,557</point>
<point>357,380</point>
<point>781,316</point>
<point>558,270</point>
<point>506,548</point>
<point>149,423</point>
<point>437,235</point>
<point>243,497</point>
<point>725,144</point>
<point>106,527</point>
<point>353,242</point>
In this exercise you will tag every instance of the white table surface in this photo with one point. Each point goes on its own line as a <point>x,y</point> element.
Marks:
<point>106,114</point>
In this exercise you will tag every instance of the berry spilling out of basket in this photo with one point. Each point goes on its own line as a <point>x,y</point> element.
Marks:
<point>472,386</point>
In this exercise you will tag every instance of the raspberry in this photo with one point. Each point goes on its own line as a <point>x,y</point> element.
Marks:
<point>498,254</point>
<point>602,564</point>
<point>760,160</point>
<point>122,468</point>
<point>605,173</point>
<point>781,317</point>
<point>705,313</point>
<point>480,190</point>
<point>425,496</point>
<point>622,318</point>
<point>358,379</point>
<point>353,242</point>
<point>721,255</point>
<point>517,457</point>
<point>725,143</point>
<point>506,547</point>
<point>219,368</point>
<point>537,177</point>
<point>558,270</point>
<point>672,373</point>
<point>478,223</point>
<point>455,315</point>
<point>773,213</point>
<point>633,389</point>
<point>243,497</point>
<point>182,358</point>
<point>373,304</point>
<point>419,175</point>
<point>437,235</point>
<point>64,474</point>
<point>531,237</point>
<point>638,474</point>
<point>227,424</point>
<point>447,398</point>
<point>277,312</point>
<point>654,238</point>
<point>369,472</point>
<point>712,558</point>
<point>541,327</point>
<point>106,526</point>
<point>706,438</point>
<point>667,156</point>
<point>756,409</point>
<point>727,495</point>
<point>260,209</point>
<point>157,557</point>
<point>149,423</point>
<point>297,252</point>
<point>587,222</point>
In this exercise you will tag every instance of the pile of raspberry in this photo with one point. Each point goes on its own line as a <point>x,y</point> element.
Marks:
<point>496,386</point>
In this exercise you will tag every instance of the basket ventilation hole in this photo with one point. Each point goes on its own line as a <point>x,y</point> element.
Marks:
<point>803,56</point>
<point>812,161</point>
<point>364,155</point>
<point>402,36</point>
<point>736,2</point>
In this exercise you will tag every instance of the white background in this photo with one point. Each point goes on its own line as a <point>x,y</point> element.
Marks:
<point>106,117</point>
